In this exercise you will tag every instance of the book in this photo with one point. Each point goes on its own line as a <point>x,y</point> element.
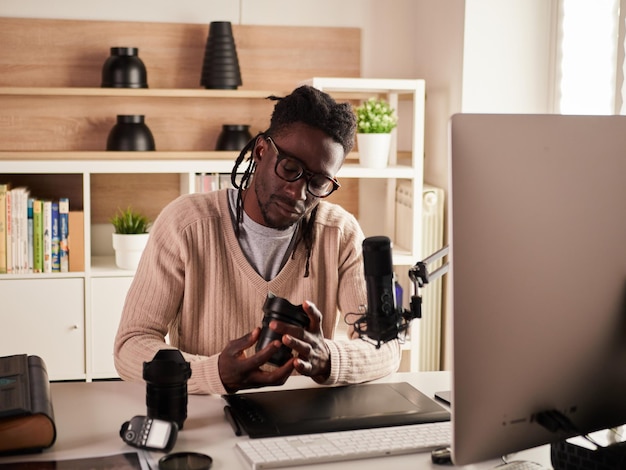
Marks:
<point>224,181</point>
<point>76,241</point>
<point>55,237</point>
<point>38,236</point>
<point>23,221</point>
<point>15,231</point>
<point>3,233</point>
<point>26,413</point>
<point>30,235</point>
<point>19,230</point>
<point>47,236</point>
<point>64,225</point>
<point>9,231</point>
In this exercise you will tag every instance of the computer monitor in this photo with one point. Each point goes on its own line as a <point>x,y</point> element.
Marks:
<point>538,278</point>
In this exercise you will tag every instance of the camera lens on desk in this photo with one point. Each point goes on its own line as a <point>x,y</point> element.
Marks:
<point>279,309</point>
<point>166,386</point>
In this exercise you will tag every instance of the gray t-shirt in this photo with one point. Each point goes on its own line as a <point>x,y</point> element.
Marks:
<point>267,249</point>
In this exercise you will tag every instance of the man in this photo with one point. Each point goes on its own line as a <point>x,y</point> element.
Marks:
<point>212,259</point>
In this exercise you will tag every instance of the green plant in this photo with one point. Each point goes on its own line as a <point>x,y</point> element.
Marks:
<point>130,222</point>
<point>375,116</point>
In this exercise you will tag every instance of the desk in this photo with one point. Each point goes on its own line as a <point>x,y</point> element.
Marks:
<point>88,416</point>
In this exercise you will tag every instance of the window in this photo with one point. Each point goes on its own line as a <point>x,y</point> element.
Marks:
<point>591,53</point>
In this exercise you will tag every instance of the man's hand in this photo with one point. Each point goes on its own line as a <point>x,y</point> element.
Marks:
<point>313,355</point>
<point>238,371</point>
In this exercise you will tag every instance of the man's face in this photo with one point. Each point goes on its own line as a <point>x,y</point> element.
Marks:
<point>277,203</point>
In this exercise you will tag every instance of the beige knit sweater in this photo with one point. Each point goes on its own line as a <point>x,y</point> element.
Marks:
<point>195,283</point>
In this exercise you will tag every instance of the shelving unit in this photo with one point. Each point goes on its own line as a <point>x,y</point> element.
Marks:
<point>102,287</point>
<point>54,143</point>
<point>409,166</point>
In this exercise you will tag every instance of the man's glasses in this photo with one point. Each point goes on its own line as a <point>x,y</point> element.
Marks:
<point>291,169</point>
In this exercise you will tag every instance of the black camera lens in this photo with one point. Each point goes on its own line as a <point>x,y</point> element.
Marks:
<point>279,309</point>
<point>166,386</point>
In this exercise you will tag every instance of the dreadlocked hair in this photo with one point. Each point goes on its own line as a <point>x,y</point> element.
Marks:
<point>314,108</point>
<point>244,182</point>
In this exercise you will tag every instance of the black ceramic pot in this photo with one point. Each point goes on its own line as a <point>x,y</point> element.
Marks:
<point>233,137</point>
<point>130,133</point>
<point>124,69</point>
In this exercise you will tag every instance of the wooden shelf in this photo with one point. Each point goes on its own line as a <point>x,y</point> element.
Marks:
<point>104,155</point>
<point>161,162</point>
<point>139,92</point>
<point>176,93</point>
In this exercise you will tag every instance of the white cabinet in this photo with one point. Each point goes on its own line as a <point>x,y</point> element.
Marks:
<point>45,317</point>
<point>107,301</point>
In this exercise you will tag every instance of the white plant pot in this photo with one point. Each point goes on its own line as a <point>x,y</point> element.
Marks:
<point>374,150</point>
<point>128,249</point>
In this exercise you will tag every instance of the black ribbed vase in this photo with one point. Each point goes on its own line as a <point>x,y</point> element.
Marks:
<point>220,68</point>
<point>130,133</point>
<point>124,69</point>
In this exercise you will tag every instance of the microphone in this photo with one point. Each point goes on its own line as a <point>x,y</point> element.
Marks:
<point>383,320</point>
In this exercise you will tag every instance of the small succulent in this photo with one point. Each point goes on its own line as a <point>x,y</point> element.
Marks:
<point>130,222</point>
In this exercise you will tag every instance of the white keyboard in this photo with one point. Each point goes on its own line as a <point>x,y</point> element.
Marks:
<point>287,451</point>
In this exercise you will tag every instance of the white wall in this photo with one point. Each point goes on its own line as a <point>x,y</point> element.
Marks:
<point>509,53</point>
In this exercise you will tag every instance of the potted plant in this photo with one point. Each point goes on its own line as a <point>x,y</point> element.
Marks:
<point>375,121</point>
<point>130,237</point>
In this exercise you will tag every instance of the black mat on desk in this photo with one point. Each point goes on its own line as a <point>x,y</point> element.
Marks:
<point>325,409</point>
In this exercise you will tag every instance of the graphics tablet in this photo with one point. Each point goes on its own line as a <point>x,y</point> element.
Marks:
<point>326,409</point>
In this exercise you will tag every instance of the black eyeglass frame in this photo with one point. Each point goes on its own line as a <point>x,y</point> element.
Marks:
<point>304,172</point>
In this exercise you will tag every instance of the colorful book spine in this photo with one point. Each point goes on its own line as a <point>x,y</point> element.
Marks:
<point>64,225</point>
<point>38,236</point>
<point>3,232</point>
<point>34,234</point>
<point>55,237</point>
<point>47,236</point>
<point>19,231</point>
<point>23,241</point>
<point>76,241</point>
<point>9,231</point>
<point>30,235</point>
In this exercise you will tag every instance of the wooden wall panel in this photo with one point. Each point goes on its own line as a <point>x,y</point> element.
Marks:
<point>58,123</point>
<point>112,192</point>
<point>40,52</point>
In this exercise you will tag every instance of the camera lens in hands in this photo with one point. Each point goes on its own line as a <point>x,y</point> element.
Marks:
<point>279,309</point>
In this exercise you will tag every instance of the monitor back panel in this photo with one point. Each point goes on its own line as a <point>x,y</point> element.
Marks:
<point>538,276</point>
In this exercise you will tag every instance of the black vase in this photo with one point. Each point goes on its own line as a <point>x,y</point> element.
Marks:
<point>124,69</point>
<point>233,137</point>
<point>130,133</point>
<point>220,68</point>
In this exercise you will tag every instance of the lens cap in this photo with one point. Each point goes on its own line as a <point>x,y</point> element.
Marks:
<point>185,461</point>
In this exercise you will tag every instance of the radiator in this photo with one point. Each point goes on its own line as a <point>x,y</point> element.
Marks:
<point>424,337</point>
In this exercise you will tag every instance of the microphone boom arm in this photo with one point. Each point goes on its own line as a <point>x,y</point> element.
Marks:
<point>420,276</point>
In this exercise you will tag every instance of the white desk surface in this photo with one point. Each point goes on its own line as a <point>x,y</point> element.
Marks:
<point>89,415</point>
